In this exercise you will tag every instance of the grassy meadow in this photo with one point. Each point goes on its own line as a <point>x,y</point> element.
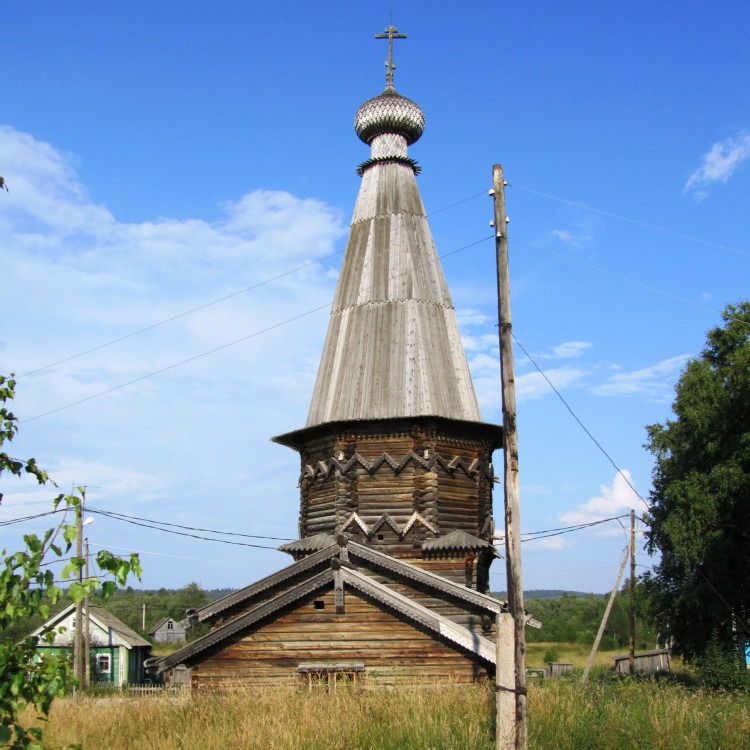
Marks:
<point>608,713</point>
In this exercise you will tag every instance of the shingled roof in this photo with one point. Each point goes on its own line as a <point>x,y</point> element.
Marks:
<point>393,347</point>
<point>375,575</point>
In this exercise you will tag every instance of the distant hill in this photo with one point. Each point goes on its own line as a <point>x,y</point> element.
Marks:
<point>546,594</point>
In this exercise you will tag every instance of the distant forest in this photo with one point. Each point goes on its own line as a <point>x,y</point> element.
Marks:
<point>566,616</point>
<point>575,617</point>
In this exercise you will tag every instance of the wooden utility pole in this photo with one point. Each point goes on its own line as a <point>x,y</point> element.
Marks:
<point>78,644</point>
<point>86,628</point>
<point>510,453</point>
<point>631,654</point>
<point>603,624</point>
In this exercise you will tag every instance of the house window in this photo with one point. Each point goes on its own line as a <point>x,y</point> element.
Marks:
<point>103,663</point>
<point>170,625</point>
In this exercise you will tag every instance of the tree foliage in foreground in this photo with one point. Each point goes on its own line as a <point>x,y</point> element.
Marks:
<point>28,590</point>
<point>700,515</point>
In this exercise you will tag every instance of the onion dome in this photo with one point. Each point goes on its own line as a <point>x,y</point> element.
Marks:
<point>389,113</point>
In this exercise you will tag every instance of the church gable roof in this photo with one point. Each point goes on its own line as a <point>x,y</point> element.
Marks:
<point>352,553</point>
<point>345,577</point>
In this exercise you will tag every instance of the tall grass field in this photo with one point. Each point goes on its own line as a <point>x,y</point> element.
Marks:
<point>606,713</point>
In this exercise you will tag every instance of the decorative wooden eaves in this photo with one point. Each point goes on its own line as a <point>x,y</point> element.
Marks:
<point>354,521</point>
<point>238,624</point>
<point>455,540</point>
<point>280,577</point>
<point>351,552</point>
<point>338,575</point>
<point>324,469</point>
<point>387,563</point>
<point>472,642</point>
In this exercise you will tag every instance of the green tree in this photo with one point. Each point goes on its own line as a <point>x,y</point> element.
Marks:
<point>700,503</point>
<point>28,590</point>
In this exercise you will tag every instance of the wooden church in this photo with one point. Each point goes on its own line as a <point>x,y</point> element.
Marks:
<point>390,579</point>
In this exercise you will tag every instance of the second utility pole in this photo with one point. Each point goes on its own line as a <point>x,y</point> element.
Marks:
<point>510,452</point>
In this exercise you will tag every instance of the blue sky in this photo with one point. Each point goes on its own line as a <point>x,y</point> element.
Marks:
<point>162,156</point>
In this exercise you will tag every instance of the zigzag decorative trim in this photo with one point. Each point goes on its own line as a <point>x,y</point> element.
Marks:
<point>323,469</point>
<point>365,165</point>
<point>385,519</point>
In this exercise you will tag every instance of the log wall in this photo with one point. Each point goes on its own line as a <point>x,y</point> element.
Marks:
<point>391,649</point>
<point>439,469</point>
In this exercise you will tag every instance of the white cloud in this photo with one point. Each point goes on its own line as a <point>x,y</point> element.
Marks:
<point>467,316</point>
<point>193,441</point>
<point>575,240</point>
<point>486,342</point>
<point>534,385</point>
<point>656,381</point>
<point>570,349</point>
<point>615,499</point>
<point>719,163</point>
<point>550,544</point>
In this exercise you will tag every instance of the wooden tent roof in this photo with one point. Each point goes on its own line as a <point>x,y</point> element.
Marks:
<point>393,348</point>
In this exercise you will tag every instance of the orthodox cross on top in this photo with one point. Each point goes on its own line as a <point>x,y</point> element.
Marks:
<point>390,34</point>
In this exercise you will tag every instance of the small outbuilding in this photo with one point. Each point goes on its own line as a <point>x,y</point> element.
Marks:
<point>116,651</point>
<point>169,630</point>
<point>646,662</point>
<point>557,668</point>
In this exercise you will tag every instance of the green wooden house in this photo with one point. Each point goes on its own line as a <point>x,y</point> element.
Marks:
<point>117,652</point>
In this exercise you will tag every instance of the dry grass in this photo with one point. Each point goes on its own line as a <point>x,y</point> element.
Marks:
<point>603,715</point>
<point>280,718</point>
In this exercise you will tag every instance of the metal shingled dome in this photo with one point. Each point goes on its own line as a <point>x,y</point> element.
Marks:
<point>389,113</point>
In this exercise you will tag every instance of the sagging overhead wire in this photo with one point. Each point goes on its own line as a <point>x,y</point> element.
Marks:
<point>619,217</point>
<point>233,343</point>
<point>226,297</point>
<point>531,536</point>
<point>581,424</point>
<point>125,517</point>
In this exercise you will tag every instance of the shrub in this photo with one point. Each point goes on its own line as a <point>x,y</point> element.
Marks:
<point>720,669</point>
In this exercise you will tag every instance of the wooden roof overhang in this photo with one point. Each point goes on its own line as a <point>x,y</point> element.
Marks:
<point>356,552</point>
<point>103,619</point>
<point>418,614</point>
<point>300,439</point>
<point>306,564</point>
<point>404,569</point>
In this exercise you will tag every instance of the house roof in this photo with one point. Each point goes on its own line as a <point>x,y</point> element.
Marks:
<point>158,625</point>
<point>101,617</point>
<point>315,572</point>
<point>164,621</point>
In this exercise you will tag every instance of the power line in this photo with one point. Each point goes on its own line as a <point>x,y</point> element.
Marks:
<point>179,315</point>
<point>626,280</point>
<point>215,301</point>
<point>124,517</point>
<point>643,224</point>
<point>161,554</point>
<point>583,426</point>
<point>232,343</point>
<point>153,525</point>
<point>22,519</point>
